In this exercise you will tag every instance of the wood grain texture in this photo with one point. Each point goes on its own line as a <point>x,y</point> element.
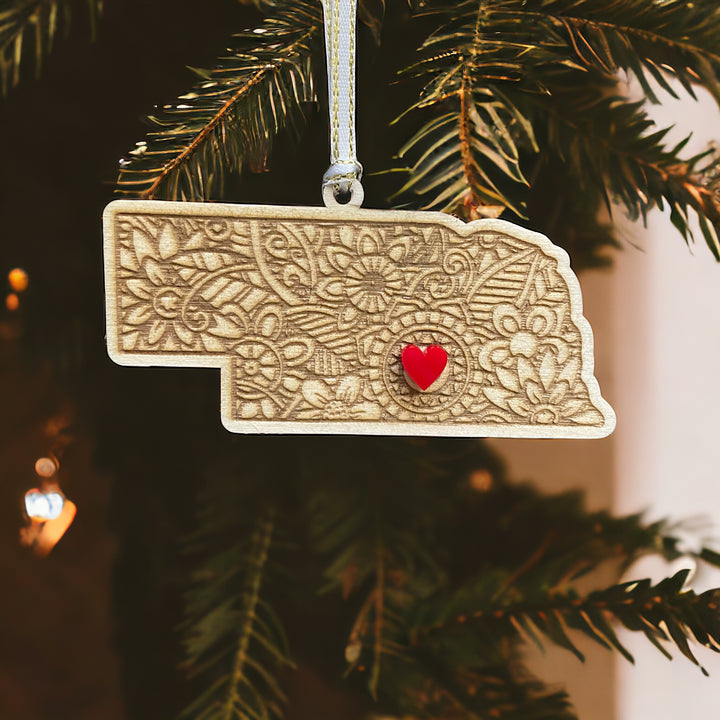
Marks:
<point>306,312</point>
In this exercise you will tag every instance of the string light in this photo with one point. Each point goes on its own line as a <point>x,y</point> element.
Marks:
<point>18,280</point>
<point>481,480</point>
<point>12,302</point>
<point>42,535</point>
<point>49,513</point>
<point>43,505</point>
<point>46,467</point>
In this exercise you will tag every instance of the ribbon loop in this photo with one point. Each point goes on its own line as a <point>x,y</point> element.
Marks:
<point>344,174</point>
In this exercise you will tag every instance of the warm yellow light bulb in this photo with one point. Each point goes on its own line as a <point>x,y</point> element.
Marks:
<point>18,279</point>
<point>45,467</point>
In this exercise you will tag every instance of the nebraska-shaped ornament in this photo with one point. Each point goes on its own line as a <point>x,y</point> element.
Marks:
<point>308,312</point>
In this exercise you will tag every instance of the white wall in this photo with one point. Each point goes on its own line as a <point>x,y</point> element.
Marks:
<point>666,309</point>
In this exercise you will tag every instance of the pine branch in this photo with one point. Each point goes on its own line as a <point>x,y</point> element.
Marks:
<point>35,21</point>
<point>530,540</point>
<point>493,693</point>
<point>372,14</point>
<point>233,638</point>
<point>461,158</point>
<point>364,559</point>
<point>612,146</point>
<point>371,533</point>
<point>562,209</point>
<point>654,40</point>
<point>230,118</point>
<point>544,69</point>
<point>664,613</point>
<point>477,681</point>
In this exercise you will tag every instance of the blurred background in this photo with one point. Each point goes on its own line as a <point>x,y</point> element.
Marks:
<point>73,625</point>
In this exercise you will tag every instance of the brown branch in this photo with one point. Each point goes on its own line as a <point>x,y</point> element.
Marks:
<point>471,201</point>
<point>185,154</point>
<point>639,32</point>
<point>183,157</point>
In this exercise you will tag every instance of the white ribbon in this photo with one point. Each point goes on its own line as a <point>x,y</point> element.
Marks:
<point>343,175</point>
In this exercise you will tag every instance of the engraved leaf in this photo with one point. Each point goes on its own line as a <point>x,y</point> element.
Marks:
<point>508,379</point>
<point>154,272</point>
<point>270,322</point>
<point>570,371</point>
<point>213,344</point>
<point>157,330</point>
<point>558,392</point>
<point>128,260</point>
<point>129,341</point>
<point>297,352</point>
<point>589,416</point>
<point>140,314</point>
<point>322,326</point>
<point>548,370</point>
<point>519,406</point>
<point>534,391</point>
<point>139,288</point>
<point>142,245</point>
<point>220,281</point>
<point>225,327</point>
<point>498,396</point>
<point>317,393</point>
<point>525,370</point>
<point>168,241</point>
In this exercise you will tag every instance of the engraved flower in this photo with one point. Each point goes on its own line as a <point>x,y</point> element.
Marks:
<point>262,385</point>
<point>523,335</point>
<point>259,364</point>
<point>342,402</point>
<point>548,394</point>
<point>156,308</point>
<point>371,281</point>
<point>258,370</point>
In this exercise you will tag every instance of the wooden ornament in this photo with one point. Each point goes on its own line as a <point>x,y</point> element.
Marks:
<point>307,311</point>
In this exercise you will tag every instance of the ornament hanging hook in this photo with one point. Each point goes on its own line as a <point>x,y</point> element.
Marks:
<point>341,183</point>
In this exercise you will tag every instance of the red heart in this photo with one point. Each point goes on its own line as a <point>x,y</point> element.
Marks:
<point>424,367</point>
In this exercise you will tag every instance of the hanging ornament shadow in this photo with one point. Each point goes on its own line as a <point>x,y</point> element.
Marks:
<point>309,312</point>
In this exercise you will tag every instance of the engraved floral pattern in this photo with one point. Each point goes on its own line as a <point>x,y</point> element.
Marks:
<point>344,401</point>
<point>371,282</point>
<point>306,316</point>
<point>522,334</point>
<point>259,364</point>
<point>153,300</point>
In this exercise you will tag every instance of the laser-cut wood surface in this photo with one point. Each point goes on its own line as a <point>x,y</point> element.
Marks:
<point>306,312</point>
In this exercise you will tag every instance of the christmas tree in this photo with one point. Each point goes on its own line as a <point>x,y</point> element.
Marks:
<point>406,574</point>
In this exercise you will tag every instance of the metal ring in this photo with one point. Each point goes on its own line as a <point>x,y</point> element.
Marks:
<point>333,188</point>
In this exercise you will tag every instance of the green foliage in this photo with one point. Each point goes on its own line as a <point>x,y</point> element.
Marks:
<point>230,117</point>
<point>663,613</point>
<point>34,22</point>
<point>431,607</point>
<point>499,687</point>
<point>234,642</point>
<point>369,529</point>
<point>511,85</point>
